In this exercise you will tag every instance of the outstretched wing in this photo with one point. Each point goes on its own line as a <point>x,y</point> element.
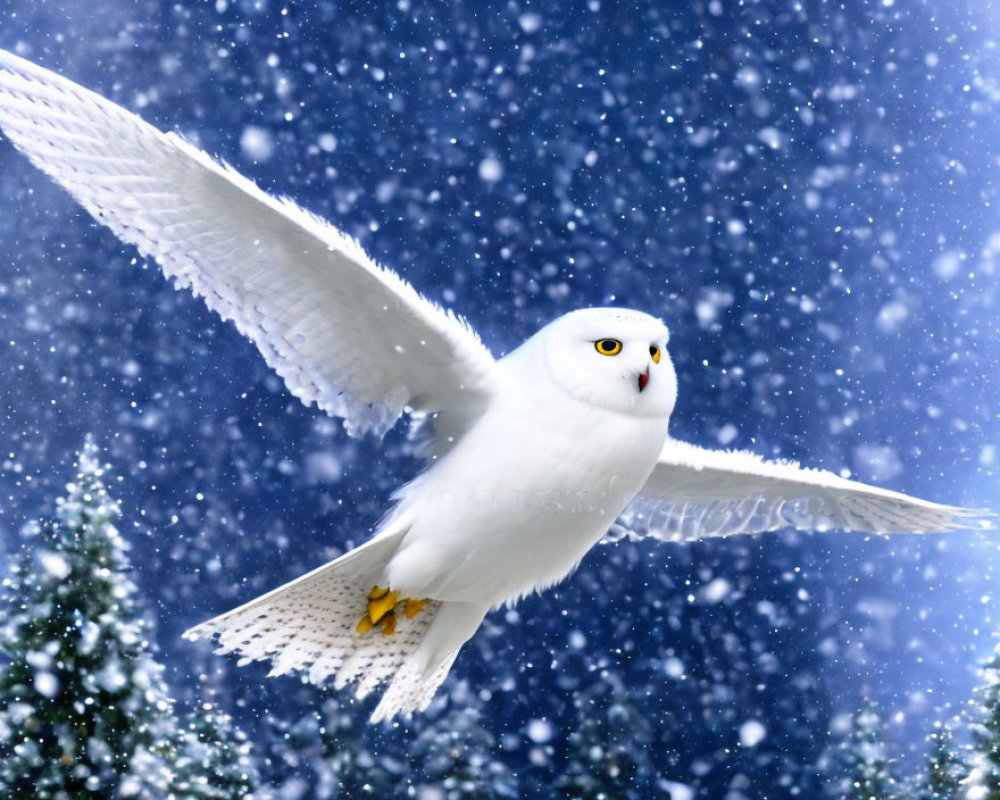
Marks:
<point>694,493</point>
<point>342,332</point>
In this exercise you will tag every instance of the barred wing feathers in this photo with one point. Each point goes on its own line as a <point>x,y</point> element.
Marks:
<point>308,625</point>
<point>695,493</point>
<point>342,332</point>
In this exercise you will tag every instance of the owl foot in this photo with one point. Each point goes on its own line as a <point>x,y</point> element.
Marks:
<point>382,610</point>
<point>413,607</point>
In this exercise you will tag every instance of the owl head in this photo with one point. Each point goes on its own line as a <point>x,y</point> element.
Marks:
<point>613,358</point>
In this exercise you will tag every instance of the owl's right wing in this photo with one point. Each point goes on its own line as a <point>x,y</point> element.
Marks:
<point>342,332</point>
<point>695,493</point>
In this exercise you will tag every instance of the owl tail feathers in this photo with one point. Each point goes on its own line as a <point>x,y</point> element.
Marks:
<point>310,626</point>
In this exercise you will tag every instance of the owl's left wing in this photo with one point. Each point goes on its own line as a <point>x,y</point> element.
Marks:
<point>695,493</point>
<point>342,332</point>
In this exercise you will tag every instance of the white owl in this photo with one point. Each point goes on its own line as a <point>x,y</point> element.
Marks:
<point>535,454</point>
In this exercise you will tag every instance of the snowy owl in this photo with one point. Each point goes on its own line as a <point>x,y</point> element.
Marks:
<point>534,456</point>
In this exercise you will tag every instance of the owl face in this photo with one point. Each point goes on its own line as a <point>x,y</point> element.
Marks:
<point>612,358</point>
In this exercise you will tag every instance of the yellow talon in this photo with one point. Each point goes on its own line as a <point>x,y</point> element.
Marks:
<point>382,610</point>
<point>381,606</point>
<point>413,607</point>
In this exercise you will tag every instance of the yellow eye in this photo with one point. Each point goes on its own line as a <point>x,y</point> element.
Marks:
<point>608,347</point>
<point>654,352</point>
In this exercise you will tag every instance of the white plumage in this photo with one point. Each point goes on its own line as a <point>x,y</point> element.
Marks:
<point>535,455</point>
<point>695,493</point>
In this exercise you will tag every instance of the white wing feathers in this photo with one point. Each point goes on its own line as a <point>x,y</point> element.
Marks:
<point>341,331</point>
<point>308,626</point>
<point>694,494</point>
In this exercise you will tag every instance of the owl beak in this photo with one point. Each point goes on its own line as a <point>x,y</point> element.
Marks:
<point>643,379</point>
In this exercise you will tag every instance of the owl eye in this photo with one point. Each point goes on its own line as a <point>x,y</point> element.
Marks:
<point>608,347</point>
<point>654,352</point>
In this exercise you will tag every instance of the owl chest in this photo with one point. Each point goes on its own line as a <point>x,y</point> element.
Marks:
<point>534,468</point>
<point>521,499</point>
<point>571,446</point>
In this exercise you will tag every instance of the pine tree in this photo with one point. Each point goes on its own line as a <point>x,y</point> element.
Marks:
<point>609,746</point>
<point>211,759</point>
<point>82,702</point>
<point>334,750</point>
<point>348,754</point>
<point>455,755</point>
<point>983,782</point>
<point>943,777</point>
<point>869,770</point>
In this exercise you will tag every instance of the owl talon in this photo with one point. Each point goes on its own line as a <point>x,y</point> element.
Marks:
<point>377,593</point>
<point>382,606</point>
<point>413,607</point>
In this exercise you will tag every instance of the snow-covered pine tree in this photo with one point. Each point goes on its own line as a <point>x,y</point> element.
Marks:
<point>983,782</point>
<point>350,764</point>
<point>82,701</point>
<point>868,767</point>
<point>944,771</point>
<point>609,748</point>
<point>211,759</point>
<point>454,756</point>
<point>336,753</point>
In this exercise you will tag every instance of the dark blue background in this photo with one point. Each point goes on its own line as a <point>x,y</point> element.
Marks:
<point>806,194</point>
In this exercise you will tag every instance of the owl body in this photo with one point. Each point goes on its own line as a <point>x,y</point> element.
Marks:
<point>489,521</point>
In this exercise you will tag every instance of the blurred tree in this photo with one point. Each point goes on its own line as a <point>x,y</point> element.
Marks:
<point>863,752</point>
<point>355,769</point>
<point>944,771</point>
<point>212,759</point>
<point>983,782</point>
<point>455,753</point>
<point>609,748</point>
